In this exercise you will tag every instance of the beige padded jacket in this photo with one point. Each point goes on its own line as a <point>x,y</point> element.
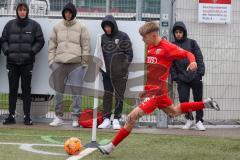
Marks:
<point>69,43</point>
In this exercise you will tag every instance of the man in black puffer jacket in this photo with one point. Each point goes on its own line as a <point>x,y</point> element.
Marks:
<point>185,79</point>
<point>22,40</point>
<point>118,54</point>
<point>0,45</point>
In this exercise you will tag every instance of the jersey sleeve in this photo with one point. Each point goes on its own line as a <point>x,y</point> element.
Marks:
<point>174,52</point>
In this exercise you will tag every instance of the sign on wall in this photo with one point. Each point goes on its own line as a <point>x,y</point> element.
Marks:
<point>214,11</point>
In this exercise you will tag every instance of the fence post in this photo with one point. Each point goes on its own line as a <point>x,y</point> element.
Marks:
<point>107,6</point>
<point>11,6</point>
<point>74,2</point>
<point>165,13</point>
<point>139,7</point>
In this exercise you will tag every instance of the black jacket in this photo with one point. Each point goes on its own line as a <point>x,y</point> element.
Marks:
<point>0,45</point>
<point>22,40</point>
<point>179,67</point>
<point>117,48</point>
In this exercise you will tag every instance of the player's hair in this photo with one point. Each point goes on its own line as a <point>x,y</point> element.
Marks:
<point>148,27</point>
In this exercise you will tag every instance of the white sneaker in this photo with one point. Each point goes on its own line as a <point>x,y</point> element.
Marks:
<point>75,123</point>
<point>188,124</point>
<point>106,124</point>
<point>56,122</point>
<point>106,149</point>
<point>116,124</point>
<point>200,126</point>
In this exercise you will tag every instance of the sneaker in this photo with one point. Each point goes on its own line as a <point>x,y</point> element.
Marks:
<point>9,120</point>
<point>106,149</point>
<point>116,125</point>
<point>106,124</point>
<point>56,122</point>
<point>200,126</point>
<point>189,124</point>
<point>28,120</point>
<point>210,103</point>
<point>75,124</point>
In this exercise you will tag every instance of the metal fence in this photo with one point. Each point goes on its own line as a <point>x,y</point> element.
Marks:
<point>94,9</point>
<point>220,47</point>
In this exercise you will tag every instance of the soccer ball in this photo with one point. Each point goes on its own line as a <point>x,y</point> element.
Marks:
<point>73,146</point>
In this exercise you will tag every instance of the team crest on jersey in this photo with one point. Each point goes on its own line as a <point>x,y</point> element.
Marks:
<point>158,51</point>
<point>152,60</point>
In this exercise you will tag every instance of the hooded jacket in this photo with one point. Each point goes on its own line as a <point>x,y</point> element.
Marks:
<point>116,47</point>
<point>22,39</point>
<point>69,41</point>
<point>0,45</point>
<point>179,67</point>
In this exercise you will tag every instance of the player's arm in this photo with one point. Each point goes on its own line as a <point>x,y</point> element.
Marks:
<point>174,52</point>
<point>199,58</point>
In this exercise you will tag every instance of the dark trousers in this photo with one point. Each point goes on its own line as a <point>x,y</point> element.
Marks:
<point>112,86</point>
<point>184,96</point>
<point>15,72</point>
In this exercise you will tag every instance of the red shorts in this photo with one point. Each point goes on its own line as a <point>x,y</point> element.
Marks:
<point>150,104</point>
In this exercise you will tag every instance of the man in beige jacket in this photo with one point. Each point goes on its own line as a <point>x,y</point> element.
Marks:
<point>69,47</point>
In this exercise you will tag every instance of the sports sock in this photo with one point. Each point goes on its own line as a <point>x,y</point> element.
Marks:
<point>191,106</point>
<point>121,135</point>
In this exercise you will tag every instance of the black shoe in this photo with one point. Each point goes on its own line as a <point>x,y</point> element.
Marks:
<point>9,120</point>
<point>28,120</point>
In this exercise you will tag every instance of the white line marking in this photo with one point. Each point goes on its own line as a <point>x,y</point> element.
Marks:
<point>35,144</point>
<point>28,147</point>
<point>83,154</point>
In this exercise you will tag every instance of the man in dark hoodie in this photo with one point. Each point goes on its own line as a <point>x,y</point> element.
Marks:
<point>118,54</point>
<point>185,79</point>
<point>0,45</point>
<point>22,40</point>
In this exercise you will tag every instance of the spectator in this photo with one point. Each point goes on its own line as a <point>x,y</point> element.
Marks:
<point>0,45</point>
<point>118,54</point>
<point>69,46</point>
<point>185,79</point>
<point>22,40</point>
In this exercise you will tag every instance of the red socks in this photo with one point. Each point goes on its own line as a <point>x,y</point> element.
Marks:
<point>121,135</point>
<point>191,106</point>
<point>185,108</point>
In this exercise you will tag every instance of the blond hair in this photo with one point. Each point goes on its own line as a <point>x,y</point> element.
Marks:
<point>148,27</point>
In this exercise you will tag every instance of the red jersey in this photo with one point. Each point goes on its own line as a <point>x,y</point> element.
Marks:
<point>159,60</point>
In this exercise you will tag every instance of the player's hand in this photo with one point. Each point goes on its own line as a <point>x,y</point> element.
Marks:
<point>192,66</point>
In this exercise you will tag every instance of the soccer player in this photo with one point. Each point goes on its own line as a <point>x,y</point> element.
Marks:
<point>160,55</point>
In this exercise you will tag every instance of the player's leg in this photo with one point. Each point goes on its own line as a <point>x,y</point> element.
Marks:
<point>176,110</point>
<point>146,107</point>
<point>123,132</point>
